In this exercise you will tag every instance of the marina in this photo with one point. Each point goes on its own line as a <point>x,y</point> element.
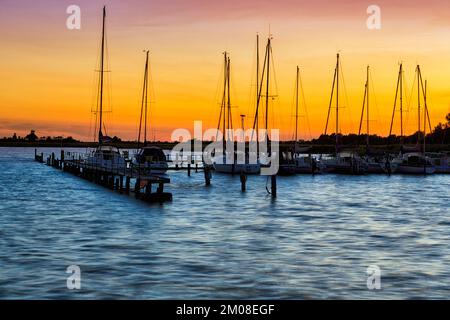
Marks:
<point>147,166</point>
<point>160,192</point>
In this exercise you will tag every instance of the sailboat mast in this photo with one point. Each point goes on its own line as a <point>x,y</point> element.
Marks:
<point>146,99</point>
<point>296,104</point>
<point>401,100</point>
<point>144,104</point>
<point>331,101</point>
<point>425,113</point>
<point>224,98</point>
<point>337,102</point>
<point>418,102</point>
<point>257,93</point>
<point>368,126</point>
<point>229,118</point>
<point>101,78</point>
<point>267,87</point>
<point>399,80</point>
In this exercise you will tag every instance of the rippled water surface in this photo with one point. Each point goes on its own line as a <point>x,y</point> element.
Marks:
<point>315,240</point>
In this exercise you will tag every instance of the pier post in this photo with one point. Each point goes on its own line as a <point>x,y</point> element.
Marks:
<point>61,163</point>
<point>52,161</point>
<point>274,186</point>
<point>243,181</point>
<point>137,187</point>
<point>189,169</point>
<point>116,184</point>
<point>148,190</point>
<point>121,184</point>
<point>127,185</point>
<point>207,173</point>
<point>196,167</point>
<point>160,188</point>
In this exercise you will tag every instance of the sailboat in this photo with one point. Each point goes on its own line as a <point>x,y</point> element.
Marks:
<point>149,159</point>
<point>285,157</point>
<point>376,163</point>
<point>292,158</point>
<point>303,164</point>
<point>230,162</point>
<point>348,162</point>
<point>412,161</point>
<point>104,157</point>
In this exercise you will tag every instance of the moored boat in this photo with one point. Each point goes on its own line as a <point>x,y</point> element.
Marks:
<point>414,163</point>
<point>149,160</point>
<point>234,162</point>
<point>414,160</point>
<point>104,157</point>
<point>345,163</point>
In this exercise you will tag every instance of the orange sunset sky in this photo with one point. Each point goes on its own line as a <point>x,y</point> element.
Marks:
<point>47,78</point>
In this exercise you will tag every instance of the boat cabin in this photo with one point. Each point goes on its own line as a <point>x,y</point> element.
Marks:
<point>151,154</point>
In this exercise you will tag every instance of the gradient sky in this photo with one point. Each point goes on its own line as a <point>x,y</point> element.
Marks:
<point>47,71</point>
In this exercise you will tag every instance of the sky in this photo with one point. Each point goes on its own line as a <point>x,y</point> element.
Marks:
<point>48,78</point>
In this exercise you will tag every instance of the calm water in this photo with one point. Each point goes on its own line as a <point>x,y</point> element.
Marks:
<point>314,241</point>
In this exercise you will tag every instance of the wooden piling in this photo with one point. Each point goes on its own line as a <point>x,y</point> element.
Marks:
<point>120,183</point>
<point>243,182</point>
<point>207,173</point>
<point>148,190</point>
<point>61,159</point>
<point>274,186</point>
<point>160,188</point>
<point>127,185</point>
<point>137,187</point>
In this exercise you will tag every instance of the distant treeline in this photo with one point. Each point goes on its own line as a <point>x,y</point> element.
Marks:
<point>440,135</point>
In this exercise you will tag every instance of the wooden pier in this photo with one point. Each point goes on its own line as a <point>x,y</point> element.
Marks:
<point>127,179</point>
<point>131,178</point>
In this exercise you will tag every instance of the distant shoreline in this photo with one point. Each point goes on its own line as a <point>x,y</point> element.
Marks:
<point>315,149</point>
<point>58,144</point>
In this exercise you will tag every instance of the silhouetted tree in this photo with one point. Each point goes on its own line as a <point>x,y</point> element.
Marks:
<point>31,136</point>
